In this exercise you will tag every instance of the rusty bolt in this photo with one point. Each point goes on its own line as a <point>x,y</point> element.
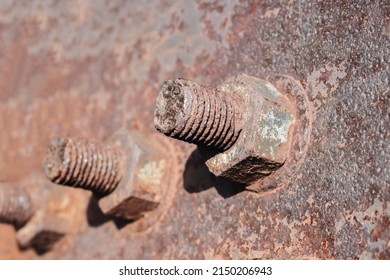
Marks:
<point>130,173</point>
<point>83,164</point>
<point>41,214</point>
<point>243,126</point>
<point>16,206</point>
<point>198,114</point>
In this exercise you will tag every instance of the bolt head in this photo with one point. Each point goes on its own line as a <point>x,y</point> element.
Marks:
<point>263,143</point>
<point>145,176</point>
<point>52,220</point>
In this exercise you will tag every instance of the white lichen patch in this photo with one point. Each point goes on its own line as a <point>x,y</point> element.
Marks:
<point>152,172</point>
<point>275,128</point>
<point>271,89</point>
<point>323,82</point>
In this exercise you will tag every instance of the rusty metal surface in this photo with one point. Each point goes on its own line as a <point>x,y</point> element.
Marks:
<point>89,68</point>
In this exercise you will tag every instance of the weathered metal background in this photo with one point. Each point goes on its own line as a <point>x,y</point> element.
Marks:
<point>88,68</point>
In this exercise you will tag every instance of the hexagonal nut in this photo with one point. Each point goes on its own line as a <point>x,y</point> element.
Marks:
<point>265,138</point>
<point>52,219</point>
<point>145,178</point>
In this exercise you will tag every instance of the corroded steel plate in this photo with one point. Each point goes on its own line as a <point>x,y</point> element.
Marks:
<point>89,68</point>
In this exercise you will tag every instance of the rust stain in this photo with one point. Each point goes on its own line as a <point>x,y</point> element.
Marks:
<point>90,68</point>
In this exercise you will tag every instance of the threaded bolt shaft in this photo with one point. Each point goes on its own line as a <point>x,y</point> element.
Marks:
<point>84,164</point>
<point>16,206</point>
<point>197,114</point>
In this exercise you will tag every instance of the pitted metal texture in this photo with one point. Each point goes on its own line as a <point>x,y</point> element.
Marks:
<point>90,68</point>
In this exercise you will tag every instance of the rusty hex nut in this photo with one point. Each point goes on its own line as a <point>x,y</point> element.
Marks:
<point>265,138</point>
<point>145,179</point>
<point>52,218</point>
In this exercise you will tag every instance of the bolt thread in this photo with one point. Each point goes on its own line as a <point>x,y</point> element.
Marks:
<point>197,114</point>
<point>84,164</point>
<point>15,206</point>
